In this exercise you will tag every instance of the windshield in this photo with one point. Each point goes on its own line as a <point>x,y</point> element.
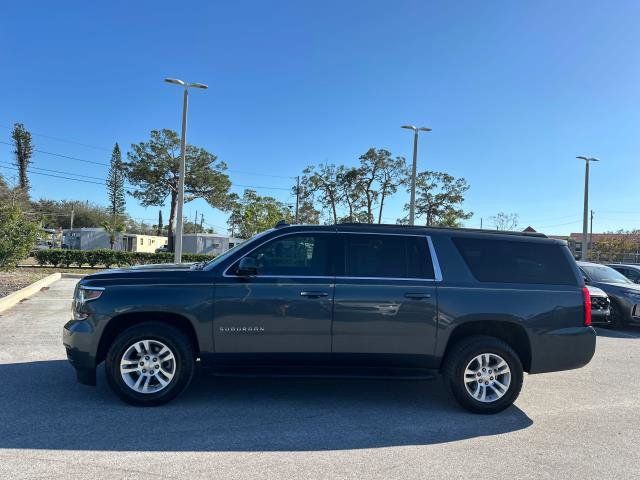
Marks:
<point>602,273</point>
<point>223,256</point>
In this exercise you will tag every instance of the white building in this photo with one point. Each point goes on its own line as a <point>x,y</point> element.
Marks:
<point>95,238</point>
<point>208,243</point>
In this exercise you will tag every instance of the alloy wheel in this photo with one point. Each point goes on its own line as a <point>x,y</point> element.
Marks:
<point>487,377</point>
<point>148,366</point>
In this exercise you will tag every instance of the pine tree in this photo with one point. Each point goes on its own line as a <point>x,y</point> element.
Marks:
<point>115,184</point>
<point>23,151</point>
<point>159,230</point>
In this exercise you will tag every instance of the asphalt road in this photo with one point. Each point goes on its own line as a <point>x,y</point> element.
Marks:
<point>580,424</point>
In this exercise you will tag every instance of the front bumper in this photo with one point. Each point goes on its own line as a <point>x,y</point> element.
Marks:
<point>79,341</point>
<point>562,349</point>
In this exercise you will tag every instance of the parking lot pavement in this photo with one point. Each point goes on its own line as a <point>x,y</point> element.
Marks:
<point>580,424</point>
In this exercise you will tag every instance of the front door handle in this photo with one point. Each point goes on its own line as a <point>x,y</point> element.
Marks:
<point>417,296</point>
<point>313,294</point>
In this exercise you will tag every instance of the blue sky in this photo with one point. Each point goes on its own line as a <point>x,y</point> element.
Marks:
<point>513,92</point>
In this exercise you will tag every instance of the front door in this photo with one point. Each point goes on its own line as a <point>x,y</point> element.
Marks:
<point>287,306</point>
<point>385,301</point>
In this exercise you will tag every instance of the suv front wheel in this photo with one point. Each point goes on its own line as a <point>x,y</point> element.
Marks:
<point>484,374</point>
<point>150,364</point>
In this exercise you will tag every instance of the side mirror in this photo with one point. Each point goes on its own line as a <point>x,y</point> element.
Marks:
<point>247,267</point>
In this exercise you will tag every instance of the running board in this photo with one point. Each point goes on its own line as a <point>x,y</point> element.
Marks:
<point>307,372</point>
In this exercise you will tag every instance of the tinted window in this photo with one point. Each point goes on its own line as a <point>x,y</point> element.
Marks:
<point>602,273</point>
<point>300,255</point>
<point>388,256</point>
<point>507,261</point>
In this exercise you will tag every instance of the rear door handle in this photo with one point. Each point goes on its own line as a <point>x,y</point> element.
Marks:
<point>313,294</point>
<point>417,296</point>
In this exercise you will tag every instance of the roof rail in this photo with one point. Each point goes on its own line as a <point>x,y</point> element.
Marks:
<point>423,227</point>
<point>281,224</point>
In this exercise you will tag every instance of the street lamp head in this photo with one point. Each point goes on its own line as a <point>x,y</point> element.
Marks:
<point>198,85</point>
<point>424,129</point>
<point>409,127</point>
<point>588,159</point>
<point>175,81</point>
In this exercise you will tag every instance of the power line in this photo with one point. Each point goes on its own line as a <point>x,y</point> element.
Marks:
<point>56,176</point>
<point>58,171</point>
<point>259,174</point>
<point>258,187</point>
<point>62,139</point>
<point>261,187</point>
<point>62,156</point>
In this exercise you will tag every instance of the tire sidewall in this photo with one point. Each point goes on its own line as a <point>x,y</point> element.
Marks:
<point>174,340</point>
<point>456,376</point>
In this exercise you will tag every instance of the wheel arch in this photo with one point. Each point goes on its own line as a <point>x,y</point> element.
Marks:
<point>120,323</point>
<point>511,333</point>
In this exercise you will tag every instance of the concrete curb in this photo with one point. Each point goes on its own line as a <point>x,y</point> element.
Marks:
<point>74,275</point>
<point>16,297</point>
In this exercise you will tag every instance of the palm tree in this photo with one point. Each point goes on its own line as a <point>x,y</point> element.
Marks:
<point>114,227</point>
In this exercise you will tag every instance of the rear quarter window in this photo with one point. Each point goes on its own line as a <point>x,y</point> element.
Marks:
<point>504,261</point>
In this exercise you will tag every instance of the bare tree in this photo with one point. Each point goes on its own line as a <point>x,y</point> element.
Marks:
<point>322,181</point>
<point>505,221</point>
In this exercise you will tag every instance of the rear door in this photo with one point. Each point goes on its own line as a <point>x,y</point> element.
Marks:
<point>385,297</point>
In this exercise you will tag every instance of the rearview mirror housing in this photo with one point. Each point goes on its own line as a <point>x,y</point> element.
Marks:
<point>247,267</point>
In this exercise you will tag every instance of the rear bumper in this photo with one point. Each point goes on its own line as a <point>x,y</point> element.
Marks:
<point>562,349</point>
<point>79,342</point>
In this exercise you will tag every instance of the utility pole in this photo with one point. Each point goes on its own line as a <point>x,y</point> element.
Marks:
<point>297,196</point>
<point>177,255</point>
<point>585,240</point>
<point>201,222</point>
<point>72,214</point>
<point>591,230</point>
<point>480,223</point>
<point>414,168</point>
<point>195,223</point>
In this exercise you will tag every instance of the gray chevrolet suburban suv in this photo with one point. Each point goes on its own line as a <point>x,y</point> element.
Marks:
<point>478,307</point>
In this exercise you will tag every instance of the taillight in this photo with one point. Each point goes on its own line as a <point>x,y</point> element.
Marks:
<point>587,306</point>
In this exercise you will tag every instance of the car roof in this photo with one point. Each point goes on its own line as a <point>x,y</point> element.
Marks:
<point>626,265</point>
<point>408,229</point>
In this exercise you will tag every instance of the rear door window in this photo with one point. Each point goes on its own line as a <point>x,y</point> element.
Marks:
<point>504,261</point>
<point>387,256</point>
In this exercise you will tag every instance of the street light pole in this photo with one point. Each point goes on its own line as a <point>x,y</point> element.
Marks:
<point>414,168</point>
<point>585,216</point>
<point>177,245</point>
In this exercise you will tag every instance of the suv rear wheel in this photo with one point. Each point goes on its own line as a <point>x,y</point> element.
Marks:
<point>484,374</point>
<point>150,364</point>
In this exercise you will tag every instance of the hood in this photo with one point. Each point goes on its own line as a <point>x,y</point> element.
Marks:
<point>610,287</point>
<point>162,266</point>
<point>141,274</point>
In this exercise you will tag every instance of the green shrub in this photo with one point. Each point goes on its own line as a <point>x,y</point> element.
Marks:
<point>109,258</point>
<point>17,236</point>
<point>42,257</point>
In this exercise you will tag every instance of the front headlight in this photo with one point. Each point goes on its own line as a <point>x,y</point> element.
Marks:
<point>84,294</point>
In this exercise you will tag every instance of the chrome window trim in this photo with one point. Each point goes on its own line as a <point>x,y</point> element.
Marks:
<point>437,272</point>
<point>285,234</point>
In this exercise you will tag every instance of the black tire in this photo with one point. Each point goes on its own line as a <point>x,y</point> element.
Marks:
<point>183,366</point>
<point>616,316</point>
<point>459,357</point>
